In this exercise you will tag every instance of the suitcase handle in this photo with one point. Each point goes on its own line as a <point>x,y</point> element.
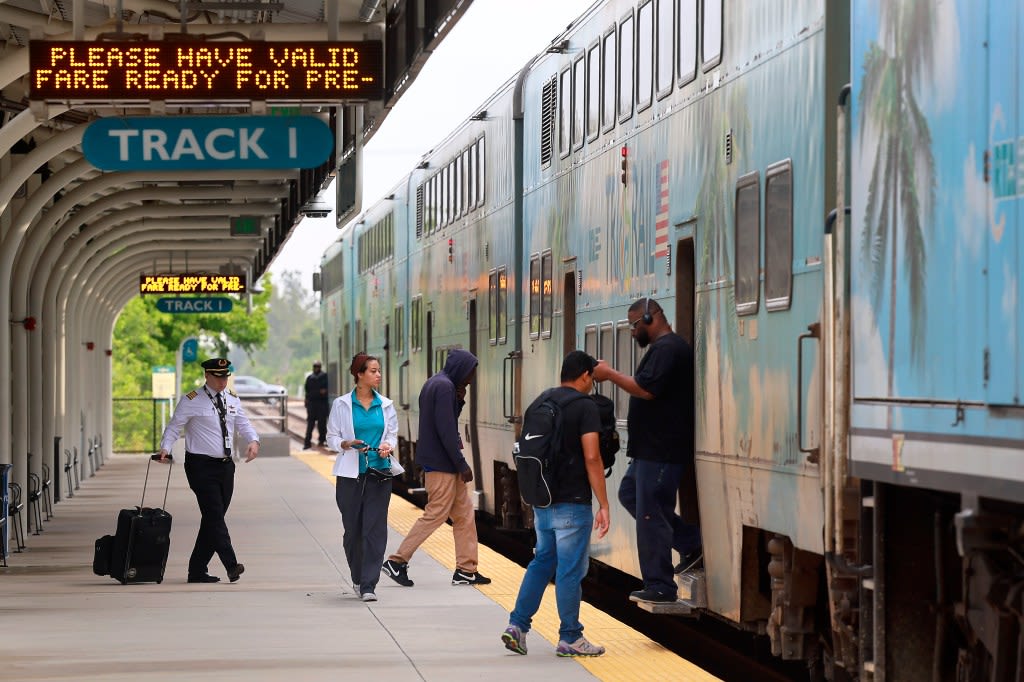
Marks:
<point>146,482</point>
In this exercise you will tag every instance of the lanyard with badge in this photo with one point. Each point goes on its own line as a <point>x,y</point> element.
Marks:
<point>218,404</point>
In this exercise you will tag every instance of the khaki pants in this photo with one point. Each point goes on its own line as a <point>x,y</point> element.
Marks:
<point>447,497</point>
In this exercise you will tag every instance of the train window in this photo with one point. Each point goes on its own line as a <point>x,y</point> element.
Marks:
<point>623,359</point>
<point>748,242</point>
<point>416,324</point>
<point>590,347</point>
<point>593,92</point>
<point>564,111</point>
<point>547,295</point>
<point>492,307</point>
<point>346,351</point>
<point>469,161</point>
<point>456,187</point>
<point>480,163</point>
<point>778,235</point>
<point>644,55</point>
<point>608,81</point>
<point>548,109</point>
<point>421,193</point>
<point>579,101</point>
<point>534,297</point>
<point>502,304</point>
<point>663,59</point>
<point>686,58</point>
<point>712,43</point>
<point>606,348</point>
<point>626,68</point>
<point>399,330</point>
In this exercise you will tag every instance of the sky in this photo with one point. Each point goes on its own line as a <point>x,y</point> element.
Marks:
<point>492,41</point>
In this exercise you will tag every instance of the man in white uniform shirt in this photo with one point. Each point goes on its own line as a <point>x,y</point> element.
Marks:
<point>210,417</point>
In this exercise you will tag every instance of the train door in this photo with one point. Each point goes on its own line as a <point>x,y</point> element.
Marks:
<point>478,478</point>
<point>686,295</point>
<point>569,309</point>
<point>387,359</point>
<point>1005,247</point>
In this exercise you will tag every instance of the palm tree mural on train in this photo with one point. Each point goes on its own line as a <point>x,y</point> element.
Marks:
<point>902,186</point>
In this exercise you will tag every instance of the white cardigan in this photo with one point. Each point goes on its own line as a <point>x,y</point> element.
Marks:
<point>339,428</point>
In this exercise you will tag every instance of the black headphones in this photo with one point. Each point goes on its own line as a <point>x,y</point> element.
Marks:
<point>647,318</point>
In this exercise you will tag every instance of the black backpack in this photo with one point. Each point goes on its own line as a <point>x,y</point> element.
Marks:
<point>535,451</point>
<point>609,435</point>
<point>538,445</point>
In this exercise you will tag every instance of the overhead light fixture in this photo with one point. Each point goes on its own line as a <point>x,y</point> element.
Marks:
<point>228,5</point>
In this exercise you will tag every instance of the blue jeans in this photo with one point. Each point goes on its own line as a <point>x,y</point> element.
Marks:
<point>648,492</point>
<point>562,552</point>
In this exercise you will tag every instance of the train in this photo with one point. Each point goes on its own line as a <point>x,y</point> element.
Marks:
<point>825,197</point>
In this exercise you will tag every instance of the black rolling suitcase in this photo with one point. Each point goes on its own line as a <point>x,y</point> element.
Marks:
<point>137,552</point>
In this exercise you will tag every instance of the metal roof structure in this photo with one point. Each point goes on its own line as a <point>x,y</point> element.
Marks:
<point>75,239</point>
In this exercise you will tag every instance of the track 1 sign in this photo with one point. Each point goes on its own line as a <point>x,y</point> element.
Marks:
<point>206,142</point>
<point>213,304</point>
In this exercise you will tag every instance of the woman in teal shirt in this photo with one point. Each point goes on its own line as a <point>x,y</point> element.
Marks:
<point>363,430</point>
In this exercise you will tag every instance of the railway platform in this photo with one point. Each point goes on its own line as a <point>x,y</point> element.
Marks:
<point>293,613</point>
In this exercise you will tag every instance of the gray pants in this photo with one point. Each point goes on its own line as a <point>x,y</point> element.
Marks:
<point>363,503</point>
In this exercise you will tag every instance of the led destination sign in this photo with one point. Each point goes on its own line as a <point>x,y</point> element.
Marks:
<point>252,70</point>
<point>192,284</point>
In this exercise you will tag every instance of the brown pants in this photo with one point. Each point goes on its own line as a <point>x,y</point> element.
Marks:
<point>447,497</point>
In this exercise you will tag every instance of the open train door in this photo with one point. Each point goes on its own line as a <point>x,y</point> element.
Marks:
<point>472,429</point>
<point>684,317</point>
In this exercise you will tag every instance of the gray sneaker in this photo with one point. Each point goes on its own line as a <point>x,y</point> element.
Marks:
<point>368,596</point>
<point>581,647</point>
<point>514,639</point>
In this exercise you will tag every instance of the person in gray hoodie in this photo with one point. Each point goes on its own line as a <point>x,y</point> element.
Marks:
<point>446,473</point>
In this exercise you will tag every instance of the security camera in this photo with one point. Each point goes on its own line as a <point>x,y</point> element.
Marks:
<point>317,207</point>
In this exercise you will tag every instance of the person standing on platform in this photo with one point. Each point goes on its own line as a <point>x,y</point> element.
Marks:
<point>563,529</point>
<point>363,430</point>
<point>661,449</point>
<point>446,473</point>
<point>210,417</point>
<point>317,406</point>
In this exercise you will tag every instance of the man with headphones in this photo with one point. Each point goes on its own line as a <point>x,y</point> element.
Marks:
<point>660,425</point>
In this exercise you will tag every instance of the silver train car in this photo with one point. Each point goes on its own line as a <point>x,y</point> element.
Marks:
<point>825,197</point>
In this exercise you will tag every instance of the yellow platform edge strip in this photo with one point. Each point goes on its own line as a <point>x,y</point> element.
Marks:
<point>629,655</point>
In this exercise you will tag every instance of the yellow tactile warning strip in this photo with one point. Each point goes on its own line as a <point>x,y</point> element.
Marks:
<point>630,655</point>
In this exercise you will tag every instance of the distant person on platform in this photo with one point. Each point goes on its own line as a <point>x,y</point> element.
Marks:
<point>317,406</point>
<point>210,417</point>
<point>446,473</point>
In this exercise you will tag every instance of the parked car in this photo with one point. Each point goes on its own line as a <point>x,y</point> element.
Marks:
<point>251,387</point>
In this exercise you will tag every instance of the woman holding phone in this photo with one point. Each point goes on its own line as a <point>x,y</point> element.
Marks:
<point>363,430</point>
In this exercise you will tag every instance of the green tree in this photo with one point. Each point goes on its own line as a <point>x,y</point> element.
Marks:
<point>294,336</point>
<point>145,338</point>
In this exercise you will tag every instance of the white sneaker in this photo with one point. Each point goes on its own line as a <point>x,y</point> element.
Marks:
<point>369,596</point>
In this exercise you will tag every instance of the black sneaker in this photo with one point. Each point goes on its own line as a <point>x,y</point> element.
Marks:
<point>398,572</point>
<point>461,577</point>
<point>691,561</point>
<point>652,597</point>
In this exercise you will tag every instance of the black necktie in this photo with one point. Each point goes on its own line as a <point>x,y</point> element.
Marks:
<point>221,412</point>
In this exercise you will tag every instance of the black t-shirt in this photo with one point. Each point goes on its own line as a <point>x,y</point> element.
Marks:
<point>662,429</point>
<point>314,383</point>
<point>578,418</point>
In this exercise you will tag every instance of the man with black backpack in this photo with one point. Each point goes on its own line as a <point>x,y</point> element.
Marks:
<point>563,527</point>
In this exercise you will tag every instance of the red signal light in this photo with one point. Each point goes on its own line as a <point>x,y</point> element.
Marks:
<point>29,323</point>
<point>625,164</point>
